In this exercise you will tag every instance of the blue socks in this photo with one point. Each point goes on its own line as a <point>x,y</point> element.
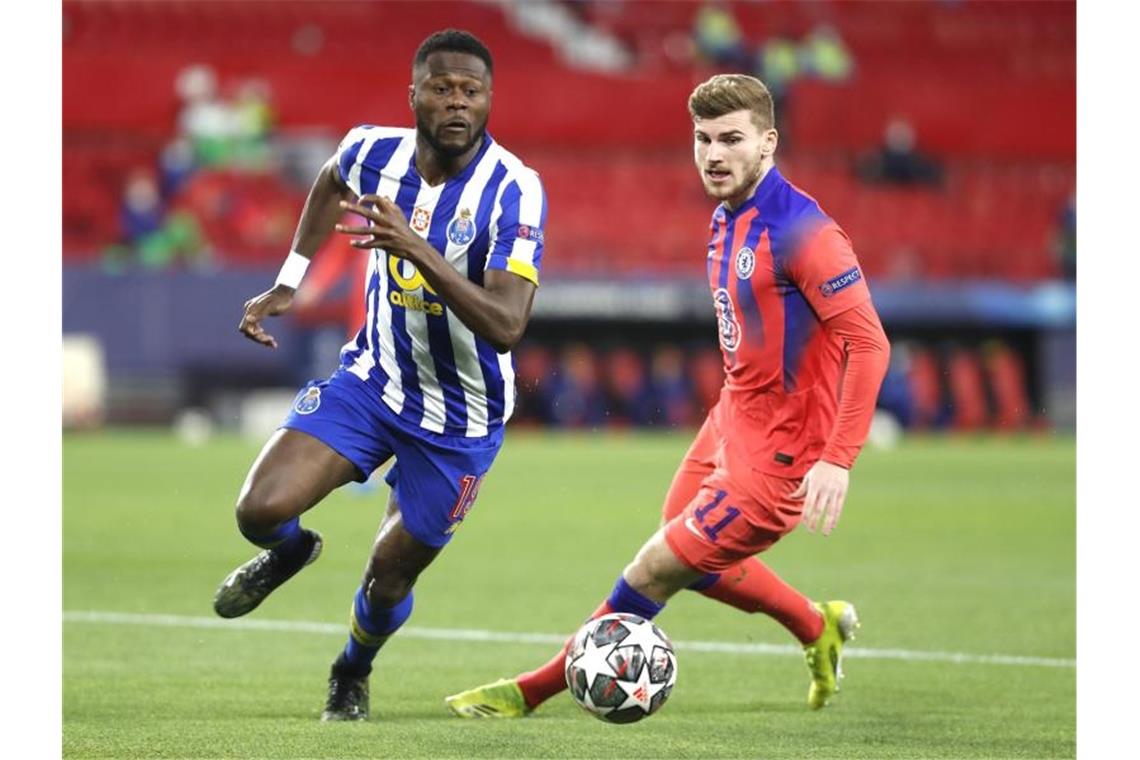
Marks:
<point>287,539</point>
<point>371,626</point>
<point>625,598</point>
<point>283,534</point>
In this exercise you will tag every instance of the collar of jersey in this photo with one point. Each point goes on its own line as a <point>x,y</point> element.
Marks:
<point>763,190</point>
<point>467,170</point>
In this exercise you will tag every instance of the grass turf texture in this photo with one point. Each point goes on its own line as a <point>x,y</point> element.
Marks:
<point>960,545</point>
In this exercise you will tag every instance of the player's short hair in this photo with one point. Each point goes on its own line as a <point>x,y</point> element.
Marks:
<point>725,93</point>
<point>453,41</point>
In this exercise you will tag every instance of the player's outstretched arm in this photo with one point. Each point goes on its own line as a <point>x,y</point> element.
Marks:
<point>320,215</point>
<point>497,311</point>
<point>827,272</point>
<point>824,487</point>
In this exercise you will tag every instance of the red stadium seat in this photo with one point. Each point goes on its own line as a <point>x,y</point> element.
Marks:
<point>625,193</point>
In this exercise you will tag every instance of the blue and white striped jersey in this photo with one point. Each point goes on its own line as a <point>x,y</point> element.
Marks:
<point>435,373</point>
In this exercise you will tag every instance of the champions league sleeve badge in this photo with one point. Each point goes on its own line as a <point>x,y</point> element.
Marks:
<point>308,401</point>
<point>461,231</point>
<point>839,282</point>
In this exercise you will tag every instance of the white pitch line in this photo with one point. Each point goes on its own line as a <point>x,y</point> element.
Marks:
<point>466,634</point>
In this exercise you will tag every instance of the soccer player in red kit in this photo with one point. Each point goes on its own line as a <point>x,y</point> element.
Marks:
<point>804,355</point>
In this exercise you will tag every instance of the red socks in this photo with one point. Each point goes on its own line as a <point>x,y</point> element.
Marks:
<point>752,586</point>
<point>540,685</point>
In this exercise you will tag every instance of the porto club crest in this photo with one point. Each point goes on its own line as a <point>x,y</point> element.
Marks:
<point>308,401</point>
<point>461,231</point>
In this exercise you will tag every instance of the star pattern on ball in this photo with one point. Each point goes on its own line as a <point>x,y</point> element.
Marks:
<point>593,659</point>
<point>637,694</point>
<point>614,680</point>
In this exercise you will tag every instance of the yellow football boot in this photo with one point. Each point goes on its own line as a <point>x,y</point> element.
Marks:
<point>824,655</point>
<point>501,699</point>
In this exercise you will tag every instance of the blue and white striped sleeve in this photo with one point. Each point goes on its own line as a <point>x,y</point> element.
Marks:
<point>519,239</point>
<point>347,154</point>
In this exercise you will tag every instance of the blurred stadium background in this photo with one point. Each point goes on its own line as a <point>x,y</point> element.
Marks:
<point>940,134</point>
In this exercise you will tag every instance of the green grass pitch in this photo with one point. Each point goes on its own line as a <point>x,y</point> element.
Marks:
<point>963,546</point>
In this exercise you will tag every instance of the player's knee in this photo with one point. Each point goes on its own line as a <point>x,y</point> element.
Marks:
<point>656,571</point>
<point>386,591</point>
<point>260,510</point>
<point>646,578</point>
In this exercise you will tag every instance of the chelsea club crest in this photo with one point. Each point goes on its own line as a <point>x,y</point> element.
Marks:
<point>461,231</point>
<point>745,263</point>
<point>308,401</point>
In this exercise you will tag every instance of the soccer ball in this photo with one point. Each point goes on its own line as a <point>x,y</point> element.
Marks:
<point>621,667</point>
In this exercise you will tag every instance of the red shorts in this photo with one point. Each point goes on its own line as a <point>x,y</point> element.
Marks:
<point>719,509</point>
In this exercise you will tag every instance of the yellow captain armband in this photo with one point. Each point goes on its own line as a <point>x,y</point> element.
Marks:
<point>523,269</point>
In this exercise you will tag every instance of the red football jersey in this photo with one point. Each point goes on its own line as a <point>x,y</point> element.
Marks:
<point>778,268</point>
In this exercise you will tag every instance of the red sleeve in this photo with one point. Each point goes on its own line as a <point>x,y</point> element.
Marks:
<point>868,353</point>
<point>826,271</point>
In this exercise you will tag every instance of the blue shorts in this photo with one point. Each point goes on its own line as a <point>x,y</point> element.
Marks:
<point>435,478</point>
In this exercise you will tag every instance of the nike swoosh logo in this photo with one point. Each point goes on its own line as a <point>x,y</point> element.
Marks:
<point>692,526</point>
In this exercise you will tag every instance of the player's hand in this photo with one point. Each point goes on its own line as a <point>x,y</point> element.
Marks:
<point>268,304</point>
<point>823,489</point>
<point>385,227</point>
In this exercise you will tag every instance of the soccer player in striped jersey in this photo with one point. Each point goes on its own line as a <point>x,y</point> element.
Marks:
<point>451,224</point>
<point>804,356</point>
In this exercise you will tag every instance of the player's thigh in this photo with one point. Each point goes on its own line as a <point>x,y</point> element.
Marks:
<point>332,434</point>
<point>436,481</point>
<point>697,464</point>
<point>731,519</point>
<point>293,472</point>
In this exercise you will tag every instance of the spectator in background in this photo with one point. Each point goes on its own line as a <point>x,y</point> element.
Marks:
<point>824,56</point>
<point>533,377</point>
<point>630,399</point>
<point>1066,239</point>
<point>205,119</point>
<point>141,211</point>
<point>925,377</point>
<point>777,63</point>
<point>221,132</point>
<point>780,62</point>
<point>718,38</point>
<point>152,235</point>
<point>575,394</point>
<point>175,166</point>
<point>252,122</point>
<point>897,161</point>
<point>671,387</point>
<point>178,242</point>
<point>896,395</point>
